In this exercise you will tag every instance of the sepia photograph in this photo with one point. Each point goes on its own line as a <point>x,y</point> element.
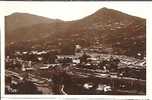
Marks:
<point>75,49</point>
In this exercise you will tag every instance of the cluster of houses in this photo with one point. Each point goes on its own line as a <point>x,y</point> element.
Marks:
<point>44,61</point>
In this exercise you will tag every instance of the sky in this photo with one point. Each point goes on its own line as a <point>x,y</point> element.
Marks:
<point>72,10</point>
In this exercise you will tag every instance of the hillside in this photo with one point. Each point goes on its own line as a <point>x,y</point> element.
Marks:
<point>20,20</point>
<point>124,33</point>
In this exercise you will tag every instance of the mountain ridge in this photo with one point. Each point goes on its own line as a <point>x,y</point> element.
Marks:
<point>25,19</point>
<point>109,27</point>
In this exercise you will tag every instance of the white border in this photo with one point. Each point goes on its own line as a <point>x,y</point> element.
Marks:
<point>149,67</point>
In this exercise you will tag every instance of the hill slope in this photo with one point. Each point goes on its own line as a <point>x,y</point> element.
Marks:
<point>124,33</point>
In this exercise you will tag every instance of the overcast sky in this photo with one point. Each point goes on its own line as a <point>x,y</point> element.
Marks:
<point>72,10</point>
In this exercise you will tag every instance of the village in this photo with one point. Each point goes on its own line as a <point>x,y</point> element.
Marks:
<point>86,72</point>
